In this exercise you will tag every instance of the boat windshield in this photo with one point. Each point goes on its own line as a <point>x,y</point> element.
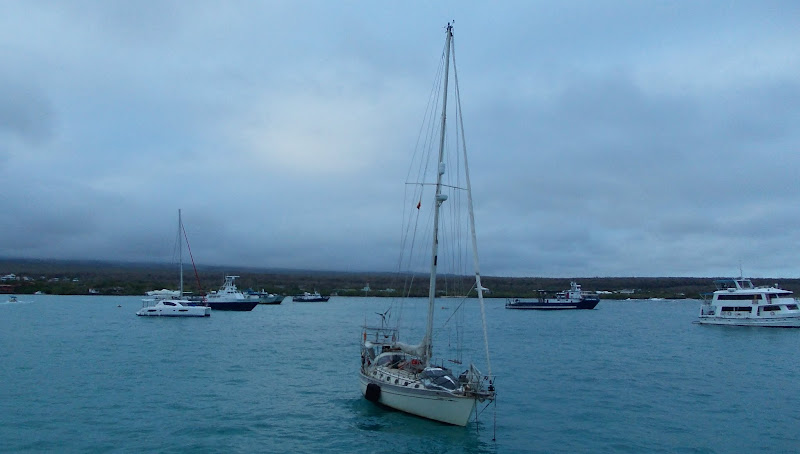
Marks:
<point>438,378</point>
<point>744,283</point>
<point>741,284</point>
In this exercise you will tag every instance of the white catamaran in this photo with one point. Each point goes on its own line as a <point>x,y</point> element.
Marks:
<point>408,377</point>
<point>168,304</point>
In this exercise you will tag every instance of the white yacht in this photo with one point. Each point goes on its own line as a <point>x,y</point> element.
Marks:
<point>738,302</point>
<point>172,308</point>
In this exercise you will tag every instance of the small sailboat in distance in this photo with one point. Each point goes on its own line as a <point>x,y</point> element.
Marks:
<point>408,377</point>
<point>170,305</point>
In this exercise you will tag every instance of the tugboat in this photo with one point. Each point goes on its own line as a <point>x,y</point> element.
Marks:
<point>574,298</point>
<point>737,302</point>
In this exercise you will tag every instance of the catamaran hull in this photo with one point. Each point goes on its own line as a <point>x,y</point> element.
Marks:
<point>187,312</point>
<point>784,322</point>
<point>436,405</point>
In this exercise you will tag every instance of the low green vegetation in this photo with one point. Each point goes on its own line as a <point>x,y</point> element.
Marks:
<point>103,278</point>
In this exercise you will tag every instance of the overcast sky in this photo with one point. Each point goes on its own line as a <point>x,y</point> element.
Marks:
<point>607,138</point>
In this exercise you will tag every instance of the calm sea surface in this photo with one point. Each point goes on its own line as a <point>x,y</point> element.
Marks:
<point>80,374</point>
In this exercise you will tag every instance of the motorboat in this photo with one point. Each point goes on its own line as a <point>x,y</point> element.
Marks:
<point>310,298</point>
<point>229,298</point>
<point>574,298</point>
<point>738,302</point>
<point>172,308</point>
<point>264,297</point>
<point>270,298</point>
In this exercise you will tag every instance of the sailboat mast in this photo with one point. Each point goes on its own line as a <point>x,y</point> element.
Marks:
<point>180,251</point>
<point>440,198</point>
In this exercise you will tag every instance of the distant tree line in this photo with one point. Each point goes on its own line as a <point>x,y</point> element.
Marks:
<point>107,278</point>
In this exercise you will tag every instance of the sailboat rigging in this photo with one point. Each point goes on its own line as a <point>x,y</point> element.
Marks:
<point>403,376</point>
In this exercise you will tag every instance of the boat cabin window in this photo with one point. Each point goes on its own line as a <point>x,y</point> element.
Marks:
<point>737,297</point>
<point>791,307</point>
<point>778,295</point>
<point>736,308</point>
<point>771,308</point>
<point>167,303</point>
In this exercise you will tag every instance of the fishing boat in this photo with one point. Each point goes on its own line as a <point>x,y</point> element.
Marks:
<point>407,377</point>
<point>738,302</point>
<point>574,298</point>
<point>168,304</point>
<point>310,298</point>
<point>229,298</point>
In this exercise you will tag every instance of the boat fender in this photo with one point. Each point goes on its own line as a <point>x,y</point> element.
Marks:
<point>373,393</point>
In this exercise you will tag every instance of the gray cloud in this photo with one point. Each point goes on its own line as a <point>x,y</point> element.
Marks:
<point>607,139</point>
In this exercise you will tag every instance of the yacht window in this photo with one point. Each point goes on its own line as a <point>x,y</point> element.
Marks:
<point>791,307</point>
<point>736,308</point>
<point>736,297</point>
<point>771,308</point>
<point>775,296</point>
<point>167,303</point>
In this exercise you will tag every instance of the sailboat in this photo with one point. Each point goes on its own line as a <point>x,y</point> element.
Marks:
<point>407,377</point>
<point>169,305</point>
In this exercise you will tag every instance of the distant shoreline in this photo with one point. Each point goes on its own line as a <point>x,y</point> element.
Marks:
<point>62,277</point>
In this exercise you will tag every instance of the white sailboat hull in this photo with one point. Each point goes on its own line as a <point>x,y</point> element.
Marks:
<point>436,405</point>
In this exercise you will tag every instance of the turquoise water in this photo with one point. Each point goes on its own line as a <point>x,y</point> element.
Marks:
<point>79,374</point>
